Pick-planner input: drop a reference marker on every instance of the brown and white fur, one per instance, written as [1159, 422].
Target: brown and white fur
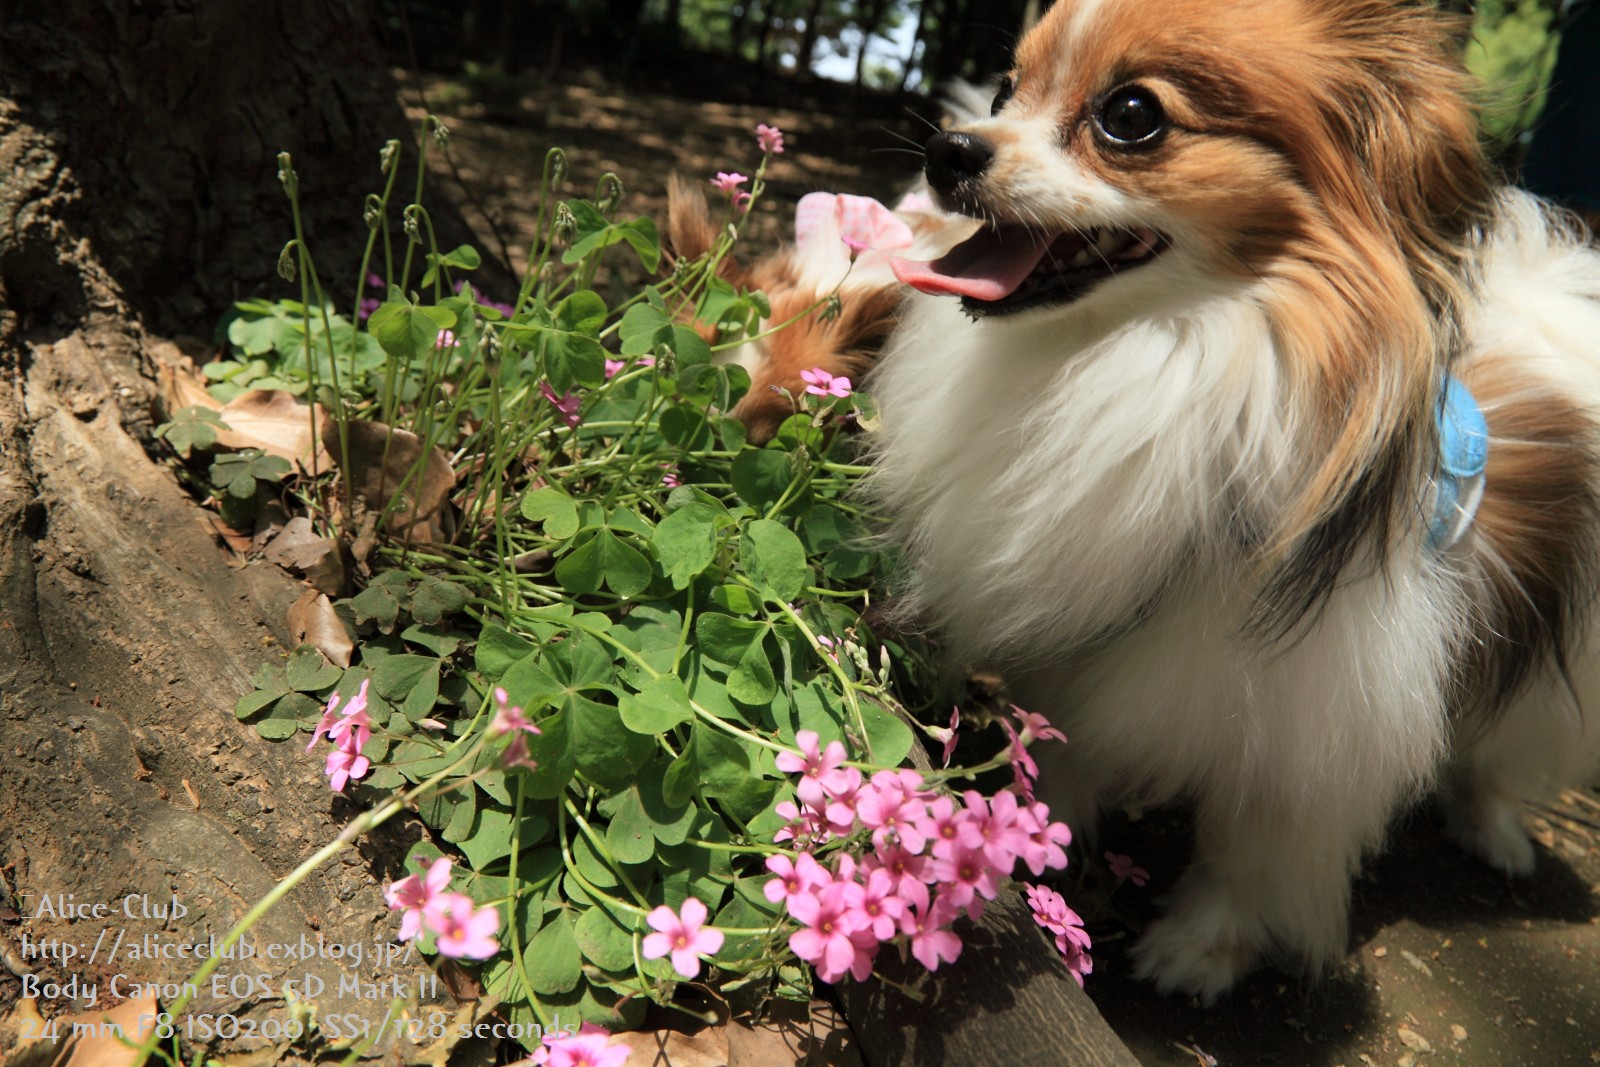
[1182, 505]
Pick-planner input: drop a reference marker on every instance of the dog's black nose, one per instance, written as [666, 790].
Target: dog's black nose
[954, 158]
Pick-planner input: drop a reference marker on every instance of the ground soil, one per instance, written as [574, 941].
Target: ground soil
[1449, 963]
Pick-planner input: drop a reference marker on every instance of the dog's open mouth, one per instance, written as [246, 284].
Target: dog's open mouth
[1004, 269]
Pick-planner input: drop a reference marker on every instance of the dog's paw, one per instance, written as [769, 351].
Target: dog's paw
[1197, 952]
[1489, 826]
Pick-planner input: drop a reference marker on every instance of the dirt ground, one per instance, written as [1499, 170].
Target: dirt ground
[1449, 962]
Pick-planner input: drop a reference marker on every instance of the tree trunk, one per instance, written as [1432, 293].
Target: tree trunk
[139, 145]
[911, 53]
[808, 38]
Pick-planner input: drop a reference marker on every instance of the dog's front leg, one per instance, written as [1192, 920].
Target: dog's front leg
[1265, 880]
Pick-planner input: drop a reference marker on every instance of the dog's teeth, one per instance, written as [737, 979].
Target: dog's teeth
[1084, 257]
[1108, 242]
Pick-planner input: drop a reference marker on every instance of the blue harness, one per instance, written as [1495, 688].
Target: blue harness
[1463, 455]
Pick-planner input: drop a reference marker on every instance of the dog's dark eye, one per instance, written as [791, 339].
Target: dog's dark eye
[1007, 86]
[1131, 115]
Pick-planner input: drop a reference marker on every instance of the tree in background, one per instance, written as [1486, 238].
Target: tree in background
[949, 38]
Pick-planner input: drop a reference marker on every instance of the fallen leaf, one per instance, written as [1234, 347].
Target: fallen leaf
[178, 384]
[313, 621]
[792, 1033]
[97, 1044]
[299, 547]
[27, 1027]
[278, 423]
[380, 466]
[460, 1026]
[239, 543]
[669, 1048]
[460, 982]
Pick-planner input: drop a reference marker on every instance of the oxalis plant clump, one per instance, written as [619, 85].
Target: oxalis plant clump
[608, 651]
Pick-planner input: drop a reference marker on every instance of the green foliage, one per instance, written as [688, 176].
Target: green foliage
[239, 473]
[1512, 52]
[666, 650]
[192, 427]
[288, 344]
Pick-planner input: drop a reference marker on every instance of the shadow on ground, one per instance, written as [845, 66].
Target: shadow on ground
[1449, 962]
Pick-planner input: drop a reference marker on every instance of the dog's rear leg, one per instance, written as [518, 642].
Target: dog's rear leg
[1546, 739]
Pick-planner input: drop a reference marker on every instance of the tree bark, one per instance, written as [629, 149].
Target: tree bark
[139, 142]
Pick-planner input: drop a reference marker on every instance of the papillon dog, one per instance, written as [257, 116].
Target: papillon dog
[1254, 434]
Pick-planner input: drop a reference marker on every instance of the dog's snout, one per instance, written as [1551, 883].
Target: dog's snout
[956, 158]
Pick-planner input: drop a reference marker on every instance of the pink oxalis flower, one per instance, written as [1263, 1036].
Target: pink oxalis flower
[1036, 726]
[793, 876]
[727, 182]
[681, 935]
[820, 383]
[819, 768]
[336, 722]
[508, 717]
[568, 405]
[589, 1047]
[826, 942]
[1123, 869]
[463, 929]
[950, 736]
[927, 860]
[349, 729]
[770, 138]
[414, 894]
[1072, 940]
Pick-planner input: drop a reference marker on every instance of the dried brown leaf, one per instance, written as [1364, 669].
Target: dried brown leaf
[240, 543]
[96, 1045]
[792, 1034]
[669, 1048]
[276, 422]
[299, 547]
[313, 621]
[178, 384]
[23, 1028]
[380, 466]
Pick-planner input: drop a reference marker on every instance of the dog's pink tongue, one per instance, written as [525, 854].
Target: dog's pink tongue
[987, 266]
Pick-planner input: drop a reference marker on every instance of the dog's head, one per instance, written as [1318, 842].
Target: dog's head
[1136, 143]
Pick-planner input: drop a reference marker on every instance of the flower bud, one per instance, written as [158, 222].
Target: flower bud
[666, 360]
[286, 174]
[608, 192]
[286, 262]
[387, 155]
[565, 225]
[555, 165]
